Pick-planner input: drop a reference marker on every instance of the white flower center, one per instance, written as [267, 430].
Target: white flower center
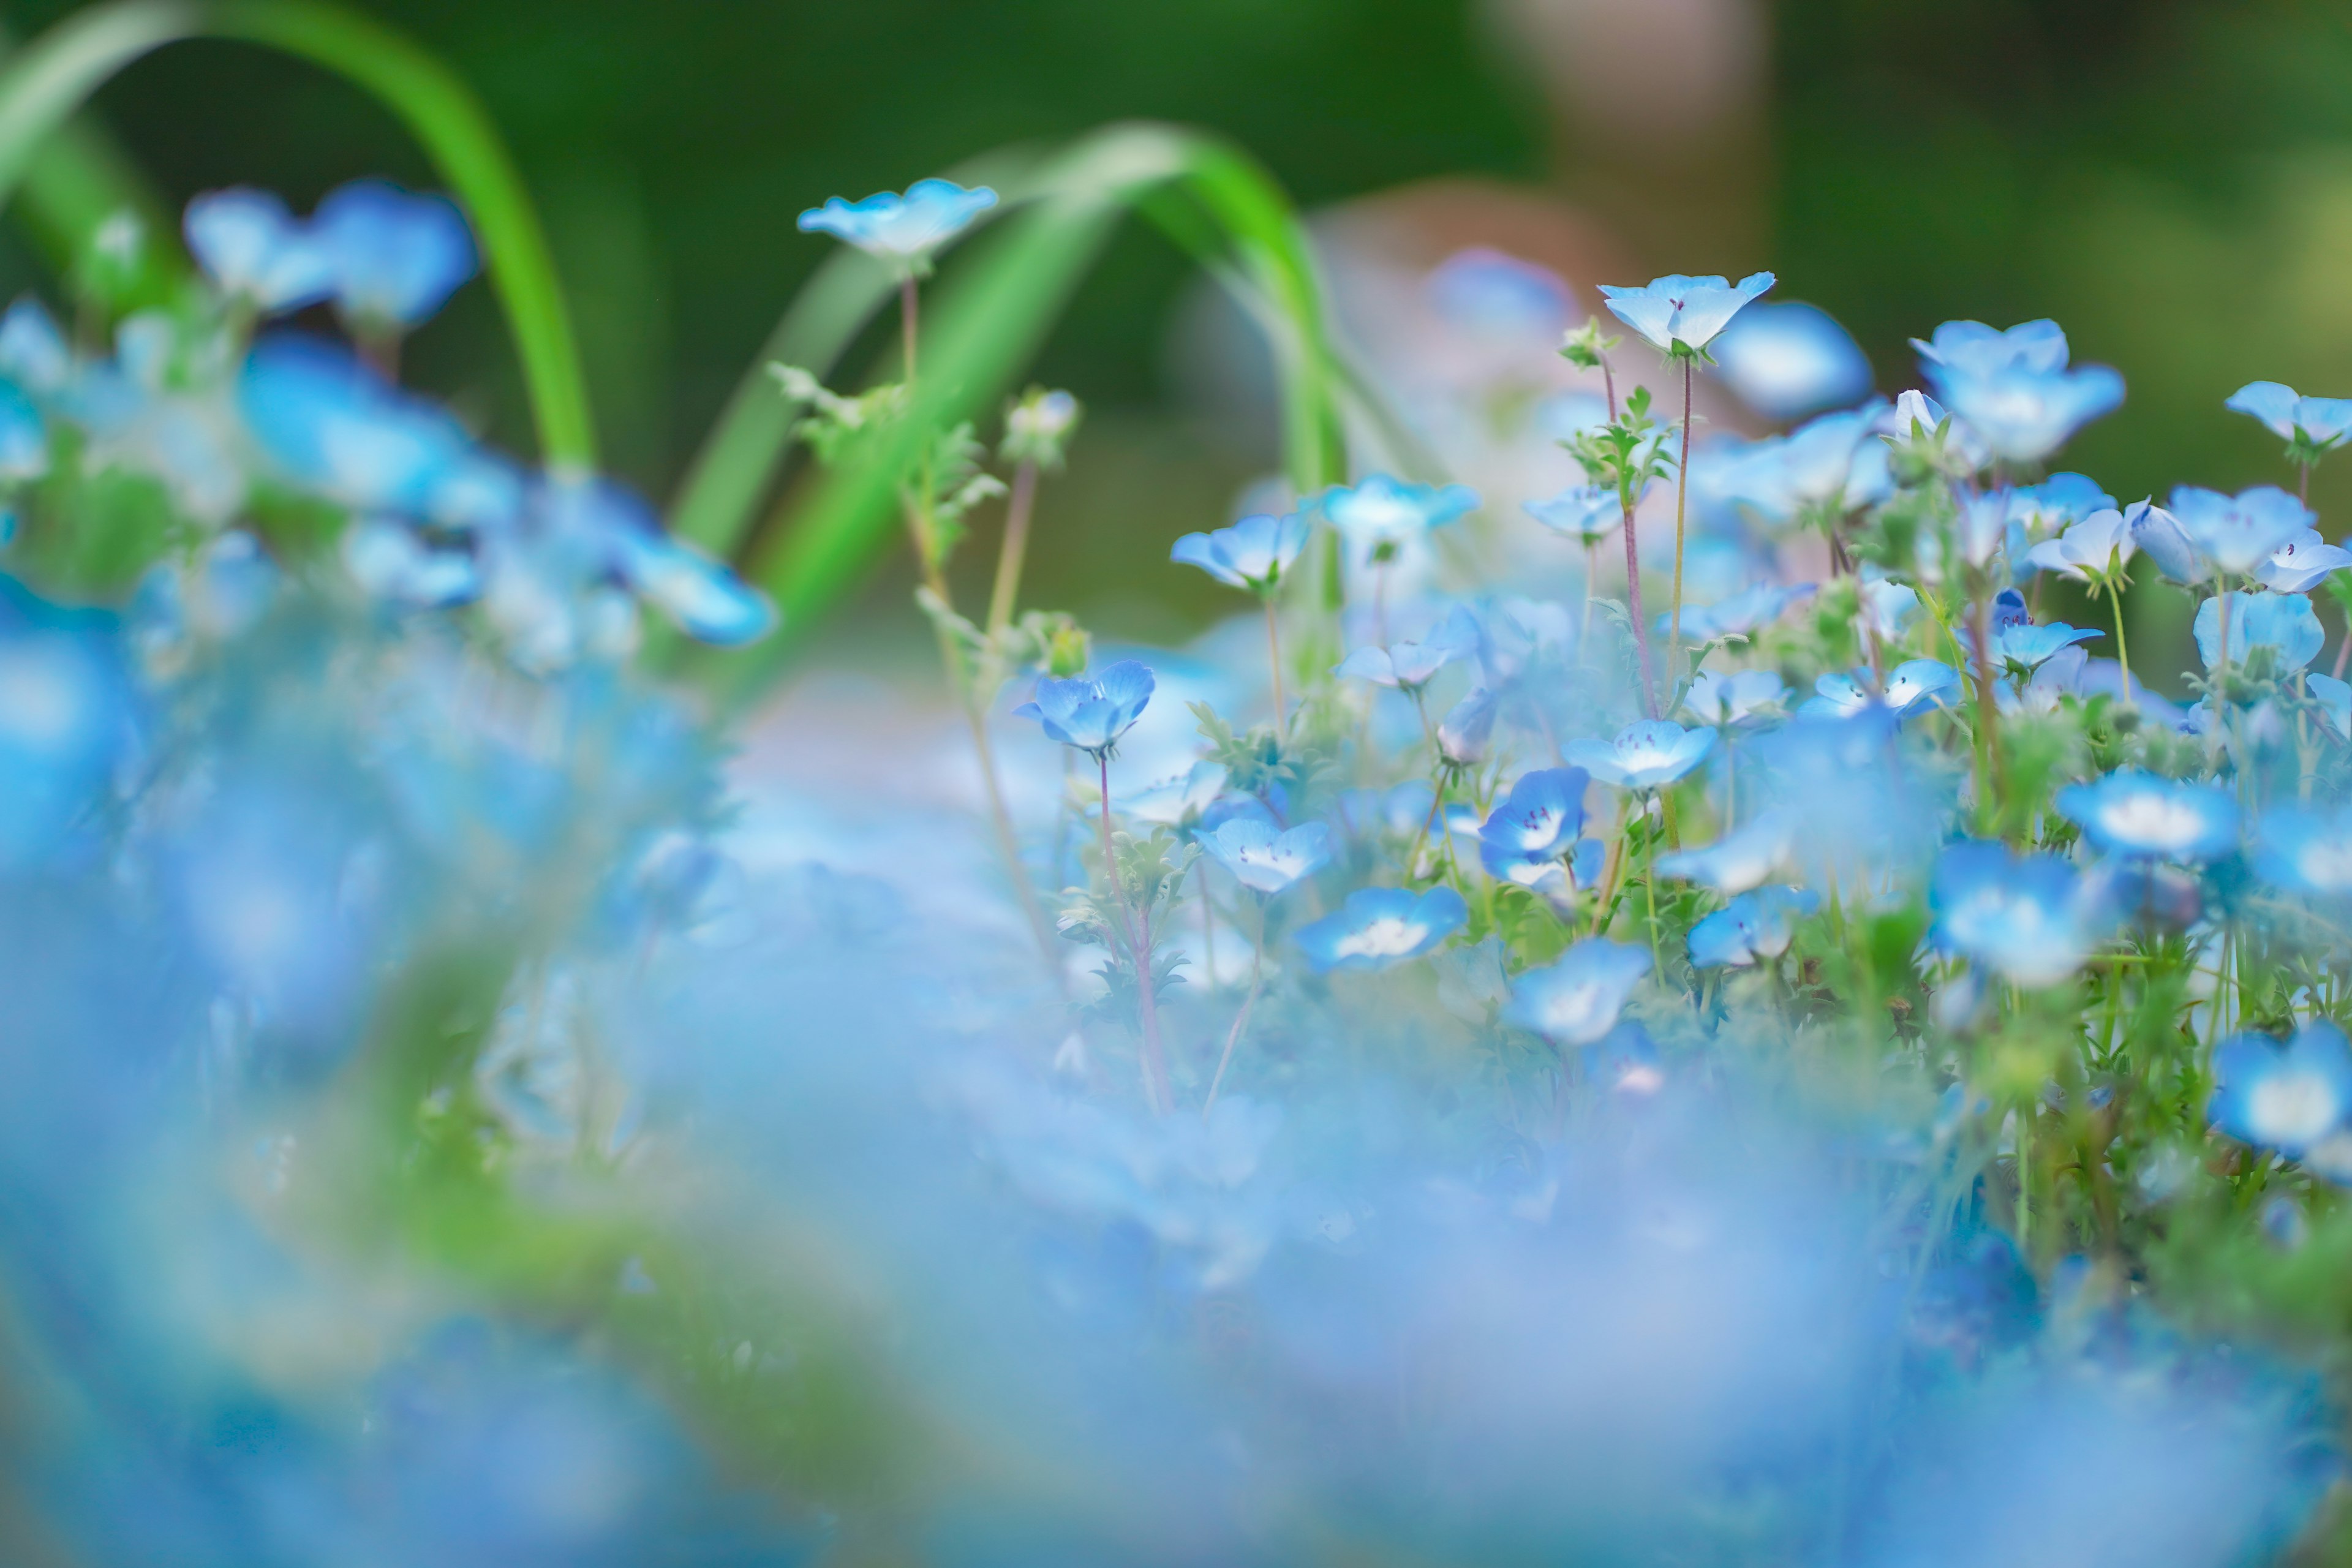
[2292, 1109]
[1387, 937]
[2153, 820]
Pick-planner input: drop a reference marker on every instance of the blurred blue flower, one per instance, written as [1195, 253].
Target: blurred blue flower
[2236, 533]
[329, 423]
[2096, 547]
[2030, 918]
[1378, 928]
[1535, 827]
[396, 256]
[2014, 388]
[1467, 730]
[1888, 607]
[1785, 360]
[1912, 686]
[2133, 812]
[2020, 648]
[23, 437]
[2058, 502]
[2320, 424]
[1740, 614]
[1091, 713]
[1733, 698]
[2303, 850]
[1745, 858]
[1577, 1000]
[2159, 533]
[66, 719]
[704, 597]
[1585, 513]
[1383, 513]
[2286, 1096]
[1179, 799]
[393, 563]
[1253, 554]
[34, 353]
[2335, 699]
[1408, 666]
[1758, 924]
[2302, 563]
[901, 232]
[256, 251]
[1649, 754]
[1265, 861]
[1500, 297]
[1682, 315]
[2283, 623]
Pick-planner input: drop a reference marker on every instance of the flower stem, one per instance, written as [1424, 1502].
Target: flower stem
[1274, 664]
[1139, 948]
[2123, 650]
[1240, 1019]
[1012, 551]
[907, 317]
[1633, 603]
[1682, 498]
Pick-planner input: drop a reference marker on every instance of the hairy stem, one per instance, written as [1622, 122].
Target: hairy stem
[1682, 499]
[1240, 1019]
[1139, 948]
[1274, 664]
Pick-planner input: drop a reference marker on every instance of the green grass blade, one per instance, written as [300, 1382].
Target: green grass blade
[45, 83]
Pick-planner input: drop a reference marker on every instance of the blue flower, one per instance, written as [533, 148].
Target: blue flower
[1265, 861]
[2305, 851]
[1912, 686]
[1682, 315]
[1379, 928]
[1091, 714]
[2030, 918]
[1733, 698]
[2057, 503]
[1535, 827]
[2131, 812]
[23, 437]
[1586, 513]
[1500, 297]
[1253, 554]
[2302, 563]
[1819, 460]
[1743, 858]
[2020, 648]
[2335, 699]
[1649, 754]
[1758, 924]
[901, 232]
[1467, 729]
[1408, 666]
[393, 563]
[1383, 513]
[257, 251]
[704, 597]
[65, 719]
[2283, 623]
[1786, 361]
[1577, 1000]
[2237, 533]
[2096, 547]
[2286, 1096]
[396, 256]
[332, 425]
[2320, 424]
[1888, 607]
[1183, 798]
[2159, 535]
[2014, 388]
[1740, 614]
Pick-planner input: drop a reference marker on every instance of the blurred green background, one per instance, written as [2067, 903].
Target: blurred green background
[2171, 181]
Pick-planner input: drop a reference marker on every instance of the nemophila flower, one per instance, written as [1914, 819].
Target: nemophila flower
[1912, 686]
[66, 718]
[1408, 666]
[2097, 547]
[2237, 533]
[1498, 296]
[2058, 502]
[1681, 315]
[1745, 858]
[1785, 360]
[2305, 850]
[1253, 554]
[1888, 607]
[2302, 563]
[2020, 648]
[1649, 754]
[1383, 513]
[1817, 457]
[2014, 388]
[702, 596]
[1091, 712]
[1577, 1000]
[2288, 1096]
[2283, 623]
[1720, 700]
[394, 565]
[1467, 730]
[1040, 426]
[1379, 928]
[2335, 699]
[2159, 535]
[2028, 918]
[902, 231]
[2318, 424]
[1755, 925]
[1180, 799]
[2132, 812]
[1585, 513]
[332, 425]
[23, 437]
[395, 255]
[1740, 614]
[1265, 861]
[1535, 827]
[256, 251]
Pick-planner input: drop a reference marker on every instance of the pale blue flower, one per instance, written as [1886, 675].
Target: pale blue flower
[2020, 648]
[1912, 686]
[2320, 424]
[2283, 623]
[1681, 315]
[1785, 360]
[2159, 535]
[2057, 503]
[1091, 712]
[34, 353]
[2237, 533]
[1739, 614]
[2288, 1096]
[391, 562]
[1585, 513]
[2303, 850]
[1888, 607]
[1535, 827]
[1745, 858]
[65, 719]
[1468, 729]
[1577, 1000]
[1379, 928]
[1383, 513]
[1733, 698]
[2132, 812]
[1265, 861]
[1253, 554]
[902, 231]
[2302, 563]
[1649, 754]
[1500, 297]
[1408, 666]
[329, 424]
[395, 256]
[1755, 925]
[23, 437]
[2030, 918]
[2335, 699]
[702, 596]
[2096, 547]
[1179, 799]
[1818, 458]
[2014, 388]
[255, 251]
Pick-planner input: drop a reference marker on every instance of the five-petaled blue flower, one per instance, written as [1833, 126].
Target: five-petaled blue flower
[1577, 1000]
[2093, 549]
[1758, 924]
[1786, 361]
[1745, 858]
[1649, 754]
[2312, 424]
[257, 251]
[2302, 563]
[901, 232]
[1265, 861]
[1535, 827]
[396, 255]
[2283, 623]
[1682, 315]
[1383, 513]
[1586, 513]
[2020, 647]
[2288, 1096]
[1253, 554]
[1740, 614]
[1091, 713]
[1733, 698]
[2133, 812]
[1912, 686]
[2303, 850]
[2013, 388]
[2029, 918]
[1380, 927]
[2237, 533]
[1409, 666]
